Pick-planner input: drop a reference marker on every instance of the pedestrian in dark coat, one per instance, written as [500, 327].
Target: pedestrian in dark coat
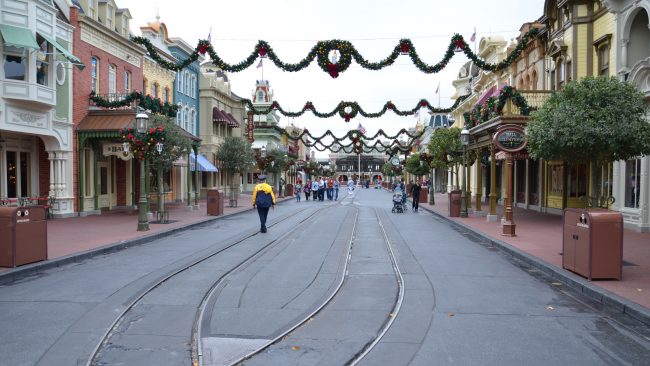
[415, 194]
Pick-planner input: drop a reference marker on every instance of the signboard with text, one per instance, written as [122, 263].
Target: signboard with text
[116, 149]
[510, 138]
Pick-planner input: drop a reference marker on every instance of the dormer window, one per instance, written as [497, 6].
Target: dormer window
[125, 26]
[109, 17]
[260, 96]
[91, 8]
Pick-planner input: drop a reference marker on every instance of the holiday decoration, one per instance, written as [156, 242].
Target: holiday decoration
[142, 145]
[321, 50]
[155, 105]
[493, 107]
[354, 109]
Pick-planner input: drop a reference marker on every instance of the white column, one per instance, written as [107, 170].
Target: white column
[51, 156]
[644, 197]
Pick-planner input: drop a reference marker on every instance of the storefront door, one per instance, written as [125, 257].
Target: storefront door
[104, 184]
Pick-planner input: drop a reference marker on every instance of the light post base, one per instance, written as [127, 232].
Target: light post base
[491, 218]
[508, 229]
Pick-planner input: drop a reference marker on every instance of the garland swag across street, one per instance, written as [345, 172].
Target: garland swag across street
[321, 51]
[354, 109]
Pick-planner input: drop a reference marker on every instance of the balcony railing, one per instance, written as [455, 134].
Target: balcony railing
[535, 98]
[115, 97]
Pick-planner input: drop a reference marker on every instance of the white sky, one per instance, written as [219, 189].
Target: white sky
[373, 26]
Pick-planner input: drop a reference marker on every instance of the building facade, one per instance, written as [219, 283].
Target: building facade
[222, 115]
[104, 176]
[631, 186]
[36, 131]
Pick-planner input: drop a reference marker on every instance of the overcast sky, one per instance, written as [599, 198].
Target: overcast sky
[374, 27]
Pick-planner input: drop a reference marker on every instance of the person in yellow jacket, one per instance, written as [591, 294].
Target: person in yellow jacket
[263, 199]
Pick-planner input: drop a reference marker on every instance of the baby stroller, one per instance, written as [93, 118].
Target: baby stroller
[399, 199]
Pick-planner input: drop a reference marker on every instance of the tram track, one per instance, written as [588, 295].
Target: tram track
[137, 299]
[390, 318]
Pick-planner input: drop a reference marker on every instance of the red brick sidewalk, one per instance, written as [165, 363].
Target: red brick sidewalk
[540, 235]
[76, 235]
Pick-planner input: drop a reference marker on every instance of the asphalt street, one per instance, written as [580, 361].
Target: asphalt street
[331, 283]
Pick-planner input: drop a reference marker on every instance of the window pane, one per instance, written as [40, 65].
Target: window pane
[103, 180]
[12, 174]
[111, 79]
[14, 63]
[24, 174]
[88, 173]
[632, 183]
[94, 74]
[127, 81]
[42, 64]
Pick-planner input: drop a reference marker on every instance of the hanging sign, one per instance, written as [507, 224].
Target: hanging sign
[510, 138]
[116, 149]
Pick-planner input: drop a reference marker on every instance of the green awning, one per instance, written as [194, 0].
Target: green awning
[74, 59]
[18, 37]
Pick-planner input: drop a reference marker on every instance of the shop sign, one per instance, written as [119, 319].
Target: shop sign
[116, 149]
[510, 138]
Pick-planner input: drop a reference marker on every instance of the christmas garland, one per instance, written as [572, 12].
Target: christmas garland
[349, 110]
[321, 52]
[155, 105]
[493, 107]
[353, 134]
[142, 145]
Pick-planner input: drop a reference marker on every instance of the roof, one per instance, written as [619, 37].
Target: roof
[107, 121]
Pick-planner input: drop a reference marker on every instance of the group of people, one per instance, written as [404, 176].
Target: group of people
[318, 189]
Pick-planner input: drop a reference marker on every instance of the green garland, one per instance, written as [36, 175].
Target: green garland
[321, 50]
[353, 134]
[155, 105]
[355, 109]
[493, 107]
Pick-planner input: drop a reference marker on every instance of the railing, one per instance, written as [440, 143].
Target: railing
[116, 97]
[536, 98]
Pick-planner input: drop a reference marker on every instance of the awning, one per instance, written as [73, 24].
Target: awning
[18, 36]
[204, 164]
[107, 121]
[490, 92]
[218, 116]
[232, 122]
[72, 58]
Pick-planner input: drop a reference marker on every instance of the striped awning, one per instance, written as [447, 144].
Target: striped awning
[218, 116]
[232, 122]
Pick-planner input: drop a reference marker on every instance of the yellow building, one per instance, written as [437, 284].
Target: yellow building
[158, 81]
[580, 41]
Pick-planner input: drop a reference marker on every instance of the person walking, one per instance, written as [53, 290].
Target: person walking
[350, 186]
[314, 189]
[415, 195]
[307, 190]
[263, 199]
[298, 188]
[321, 189]
[336, 189]
[330, 189]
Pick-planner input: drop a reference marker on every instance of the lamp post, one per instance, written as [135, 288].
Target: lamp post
[464, 140]
[142, 123]
[161, 201]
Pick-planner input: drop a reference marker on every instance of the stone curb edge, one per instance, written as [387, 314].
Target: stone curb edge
[573, 281]
[32, 269]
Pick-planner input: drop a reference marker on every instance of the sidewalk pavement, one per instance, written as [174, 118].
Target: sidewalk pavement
[77, 238]
[539, 244]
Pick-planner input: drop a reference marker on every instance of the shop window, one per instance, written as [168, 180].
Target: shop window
[521, 180]
[601, 184]
[577, 181]
[15, 63]
[94, 74]
[632, 183]
[12, 174]
[533, 182]
[43, 61]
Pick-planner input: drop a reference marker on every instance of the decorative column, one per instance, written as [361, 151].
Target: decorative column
[479, 187]
[51, 156]
[492, 215]
[196, 178]
[508, 228]
[468, 178]
[189, 180]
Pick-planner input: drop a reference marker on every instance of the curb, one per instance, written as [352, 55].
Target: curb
[573, 281]
[34, 269]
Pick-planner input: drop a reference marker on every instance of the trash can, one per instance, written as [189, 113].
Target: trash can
[289, 190]
[424, 195]
[454, 203]
[215, 202]
[592, 243]
[24, 238]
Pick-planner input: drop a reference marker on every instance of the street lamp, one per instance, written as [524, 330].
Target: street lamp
[464, 140]
[141, 123]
